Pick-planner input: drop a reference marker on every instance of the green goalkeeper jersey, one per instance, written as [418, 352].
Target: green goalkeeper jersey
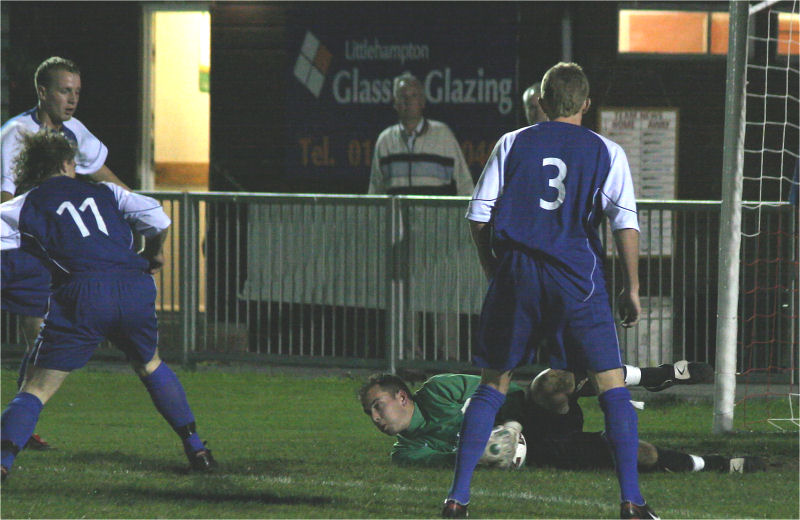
[432, 437]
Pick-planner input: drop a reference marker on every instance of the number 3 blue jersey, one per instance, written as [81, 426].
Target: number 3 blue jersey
[545, 189]
[78, 226]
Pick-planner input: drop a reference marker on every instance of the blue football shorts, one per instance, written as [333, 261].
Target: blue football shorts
[92, 307]
[531, 298]
[25, 283]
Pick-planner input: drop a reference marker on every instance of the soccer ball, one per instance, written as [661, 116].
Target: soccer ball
[520, 453]
[506, 447]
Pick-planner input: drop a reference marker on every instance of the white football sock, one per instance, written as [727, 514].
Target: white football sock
[633, 375]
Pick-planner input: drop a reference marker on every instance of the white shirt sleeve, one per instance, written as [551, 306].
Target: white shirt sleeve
[490, 185]
[92, 152]
[618, 199]
[10, 144]
[10, 237]
[144, 213]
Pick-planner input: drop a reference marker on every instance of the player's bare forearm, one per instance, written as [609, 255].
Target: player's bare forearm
[104, 174]
[627, 242]
[481, 235]
[153, 251]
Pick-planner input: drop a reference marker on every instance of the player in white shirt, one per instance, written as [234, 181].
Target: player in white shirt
[25, 281]
[58, 88]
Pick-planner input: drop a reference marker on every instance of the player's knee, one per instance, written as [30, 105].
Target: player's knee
[647, 455]
[606, 380]
[145, 369]
[30, 330]
[43, 383]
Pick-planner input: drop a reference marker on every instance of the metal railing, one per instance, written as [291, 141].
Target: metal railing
[394, 281]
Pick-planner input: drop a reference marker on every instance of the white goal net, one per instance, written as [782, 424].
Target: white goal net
[768, 287]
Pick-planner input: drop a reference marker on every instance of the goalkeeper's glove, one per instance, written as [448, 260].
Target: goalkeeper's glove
[502, 446]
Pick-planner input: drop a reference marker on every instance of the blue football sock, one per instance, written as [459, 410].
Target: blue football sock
[622, 433]
[475, 431]
[18, 422]
[170, 399]
[23, 368]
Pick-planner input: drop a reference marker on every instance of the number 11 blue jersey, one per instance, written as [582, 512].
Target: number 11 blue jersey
[78, 226]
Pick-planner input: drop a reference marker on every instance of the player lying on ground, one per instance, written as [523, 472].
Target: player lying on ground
[102, 289]
[427, 422]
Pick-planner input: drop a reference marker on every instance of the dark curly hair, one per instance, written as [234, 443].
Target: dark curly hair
[42, 156]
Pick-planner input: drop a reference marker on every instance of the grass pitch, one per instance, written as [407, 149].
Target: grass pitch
[300, 447]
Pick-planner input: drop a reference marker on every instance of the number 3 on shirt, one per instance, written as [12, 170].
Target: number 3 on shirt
[89, 202]
[557, 183]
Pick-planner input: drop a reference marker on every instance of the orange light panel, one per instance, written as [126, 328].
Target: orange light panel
[788, 34]
[719, 33]
[663, 32]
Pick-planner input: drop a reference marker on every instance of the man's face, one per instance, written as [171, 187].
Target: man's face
[410, 102]
[59, 99]
[391, 414]
[533, 112]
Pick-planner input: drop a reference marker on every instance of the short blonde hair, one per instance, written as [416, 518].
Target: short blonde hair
[46, 70]
[564, 90]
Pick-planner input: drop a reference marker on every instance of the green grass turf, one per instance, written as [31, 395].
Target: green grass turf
[300, 447]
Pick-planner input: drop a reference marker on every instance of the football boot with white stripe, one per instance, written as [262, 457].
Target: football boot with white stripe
[682, 373]
[631, 510]
[201, 461]
[453, 509]
[740, 464]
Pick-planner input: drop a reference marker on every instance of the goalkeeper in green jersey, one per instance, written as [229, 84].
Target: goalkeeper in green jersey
[427, 422]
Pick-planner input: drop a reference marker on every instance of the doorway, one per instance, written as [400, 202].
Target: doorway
[176, 103]
[174, 156]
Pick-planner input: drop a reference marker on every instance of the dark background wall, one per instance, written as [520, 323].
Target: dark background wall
[103, 39]
[249, 77]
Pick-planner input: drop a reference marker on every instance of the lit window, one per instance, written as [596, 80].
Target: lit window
[788, 34]
[720, 23]
[673, 32]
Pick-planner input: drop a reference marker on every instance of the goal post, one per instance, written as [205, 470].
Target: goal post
[757, 340]
[731, 219]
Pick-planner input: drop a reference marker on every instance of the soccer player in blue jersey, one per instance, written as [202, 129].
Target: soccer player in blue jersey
[102, 289]
[534, 217]
[25, 281]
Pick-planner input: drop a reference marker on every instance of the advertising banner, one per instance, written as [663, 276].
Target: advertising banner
[343, 58]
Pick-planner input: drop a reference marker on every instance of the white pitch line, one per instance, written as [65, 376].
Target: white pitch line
[515, 495]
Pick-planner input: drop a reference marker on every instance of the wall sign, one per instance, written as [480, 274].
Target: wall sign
[343, 58]
[649, 137]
